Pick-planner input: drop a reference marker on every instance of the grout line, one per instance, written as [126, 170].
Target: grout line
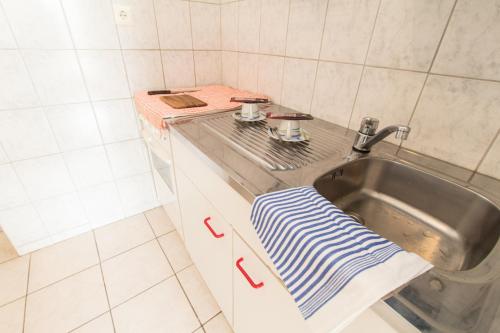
[192, 43]
[88, 321]
[26, 294]
[159, 45]
[284, 56]
[486, 152]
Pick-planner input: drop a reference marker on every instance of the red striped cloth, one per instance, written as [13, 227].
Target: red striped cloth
[217, 98]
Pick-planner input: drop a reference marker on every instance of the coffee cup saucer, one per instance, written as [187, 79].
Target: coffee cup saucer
[237, 115]
[274, 133]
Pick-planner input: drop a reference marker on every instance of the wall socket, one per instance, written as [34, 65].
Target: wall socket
[123, 15]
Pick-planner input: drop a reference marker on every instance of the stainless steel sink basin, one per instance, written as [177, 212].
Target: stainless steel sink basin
[449, 225]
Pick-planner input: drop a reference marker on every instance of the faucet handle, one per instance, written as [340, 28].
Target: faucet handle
[368, 126]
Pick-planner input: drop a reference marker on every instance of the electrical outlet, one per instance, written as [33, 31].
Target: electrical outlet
[123, 15]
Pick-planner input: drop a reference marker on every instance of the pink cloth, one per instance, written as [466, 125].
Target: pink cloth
[217, 98]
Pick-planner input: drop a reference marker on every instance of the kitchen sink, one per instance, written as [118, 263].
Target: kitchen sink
[451, 226]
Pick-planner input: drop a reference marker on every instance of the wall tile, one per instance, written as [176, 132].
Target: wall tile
[74, 126]
[12, 193]
[178, 68]
[141, 33]
[230, 69]
[16, 88]
[61, 213]
[91, 24]
[88, 167]
[105, 74]
[407, 33]
[305, 28]
[208, 67]
[128, 158]
[137, 193]
[348, 29]
[65, 87]
[174, 27]
[491, 164]
[205, 24]
[456, 119]
[23, 225]
[26, 133]
[248, 65]
[229, 26]
[38, 24]
[271, 76]
[273, 26]
[111, 113]
[388, 95]
[470, 46]
[3, 155]
[335, 91]
[248, 25]
[6, 38]
[102, 204]
[44, 177]
[144, 70]
[298, 84]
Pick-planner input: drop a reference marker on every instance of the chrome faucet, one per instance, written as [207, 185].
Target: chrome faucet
[367, 136]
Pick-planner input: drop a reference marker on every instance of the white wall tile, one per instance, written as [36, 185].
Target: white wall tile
[3, 155]
[273, 26]
[6, 38]
[230, 69]
[205, 23]
[44, 177]
[22, 224]
[229, 26]
[26, 133]
[470, 46]
[61, 213]
[348, 28]
[74, 126]
[64, 87]
[491, 164]
[141, 33]
[178, 68]
[102, 204]
[91, 24]
[137, 193]
[407, 33]
[248, 71]
[116, 120]
[335, 91]
[208, 67]
[298, 84]
[174, 27]
[271, 76]
[305, 28]
[456, 119]
[38, 24]
[128, 158]
[248, 25]
[12, 193]
[16, 88]
[105, 74]
[88, 167]
[144, 70]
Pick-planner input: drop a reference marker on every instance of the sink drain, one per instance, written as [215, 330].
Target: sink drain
[356, 217]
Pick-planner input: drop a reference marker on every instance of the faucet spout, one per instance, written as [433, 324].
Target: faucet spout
[367, 138]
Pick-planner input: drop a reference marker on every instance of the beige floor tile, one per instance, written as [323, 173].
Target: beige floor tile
[199, 295]
[66, 304]
[159, 221]
[218, 324]
[163, 308]
[11, 317]
[199, 330]
[123, 235]
[176, 251]
[7, 251]
[132, 272]
[13, 279]
[60, 260]
[103, 324]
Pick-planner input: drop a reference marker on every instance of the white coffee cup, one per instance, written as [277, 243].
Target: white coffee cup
[289, 129]
[249, 110]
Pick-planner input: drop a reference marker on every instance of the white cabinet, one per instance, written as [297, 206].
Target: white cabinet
[261, 303]
[208, 238]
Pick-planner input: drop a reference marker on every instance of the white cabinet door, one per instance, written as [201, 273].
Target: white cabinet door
[208, 238]
[261, 302]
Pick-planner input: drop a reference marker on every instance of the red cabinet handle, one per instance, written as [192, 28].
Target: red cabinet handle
[245, 274]
[212, 231]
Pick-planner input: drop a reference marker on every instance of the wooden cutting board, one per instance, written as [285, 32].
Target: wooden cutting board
[183, 101]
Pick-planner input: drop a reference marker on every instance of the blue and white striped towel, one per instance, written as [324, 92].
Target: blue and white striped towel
[333, 267]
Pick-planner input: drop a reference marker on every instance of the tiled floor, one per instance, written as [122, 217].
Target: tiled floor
[130, 276]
